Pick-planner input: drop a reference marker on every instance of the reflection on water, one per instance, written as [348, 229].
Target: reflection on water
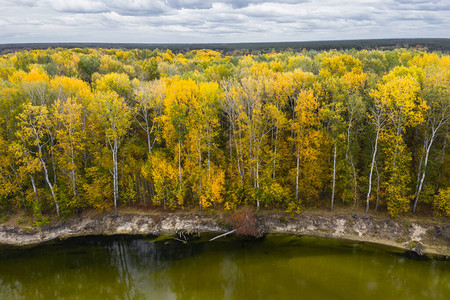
[278, 267]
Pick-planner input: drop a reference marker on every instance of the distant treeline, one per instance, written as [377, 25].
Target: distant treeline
[101, 128]
[435, 44]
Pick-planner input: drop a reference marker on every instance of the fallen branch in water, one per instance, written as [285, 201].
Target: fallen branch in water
[222, 235]
[179, 240]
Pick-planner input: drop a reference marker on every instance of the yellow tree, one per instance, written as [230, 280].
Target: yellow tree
[117, 82]
[436, 94]
[398, 94]
[180, 95]
[203, 128]
[12, 184]
[164, 175]
[256, 123]
[307, 140]
[148, 107]
[67, 120]
[36, 86]
[33, 143]
[232, 104]
[343, 82]
[378, 117]
[114, 116]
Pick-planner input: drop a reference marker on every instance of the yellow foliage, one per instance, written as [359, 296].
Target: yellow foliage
[119, 83]
[69, 87]
[165, 179]
[99, 192]
[441, 202]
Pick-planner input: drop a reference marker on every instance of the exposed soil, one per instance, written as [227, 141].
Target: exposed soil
[420, 236]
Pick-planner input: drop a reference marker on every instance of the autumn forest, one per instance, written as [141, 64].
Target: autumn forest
[105, 128]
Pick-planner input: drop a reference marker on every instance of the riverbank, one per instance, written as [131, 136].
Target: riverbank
[425, 237]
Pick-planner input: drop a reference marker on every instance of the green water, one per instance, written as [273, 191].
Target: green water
[278, 267]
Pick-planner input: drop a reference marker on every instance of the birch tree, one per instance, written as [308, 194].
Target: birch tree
[399, 94]
[149, 106]
[114, 117]
[34, 142]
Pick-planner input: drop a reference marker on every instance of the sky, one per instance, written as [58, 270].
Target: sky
[219, 21]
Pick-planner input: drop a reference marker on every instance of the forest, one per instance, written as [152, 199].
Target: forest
[105, 128]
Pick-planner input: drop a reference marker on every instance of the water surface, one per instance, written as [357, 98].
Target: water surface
[277, 267]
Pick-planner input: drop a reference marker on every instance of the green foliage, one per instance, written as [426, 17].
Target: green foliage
[41, 222]
[87, 66]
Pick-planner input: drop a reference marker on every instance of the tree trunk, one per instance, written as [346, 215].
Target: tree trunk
[378, 189]
[115, 176]
[334, 177]
[416, 198]
[297, 174]
[257, 181]
[74, 183]
[179, 158]
[371, 171]
[200, 175]
[275, 154]
[33, 183]
[149, 141]
[53, 161]
[50, 186]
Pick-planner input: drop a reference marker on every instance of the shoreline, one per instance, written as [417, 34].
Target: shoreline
[428, 238]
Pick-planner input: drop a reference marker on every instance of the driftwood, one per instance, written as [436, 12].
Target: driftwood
[222, 235]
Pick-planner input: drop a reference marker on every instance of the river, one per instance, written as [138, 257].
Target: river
[276, 267]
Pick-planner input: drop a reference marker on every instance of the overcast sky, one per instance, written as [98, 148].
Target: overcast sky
[196, 21]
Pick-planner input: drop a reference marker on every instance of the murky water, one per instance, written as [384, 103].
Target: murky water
[278, 267]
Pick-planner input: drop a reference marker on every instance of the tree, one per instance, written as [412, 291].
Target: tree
[307, 140]
[379, 118]
[114, 117]
[203, 128]
[180, 94]
[436, 94]
[67, 120]
[33, 135]
[149, 106]
[399, 95]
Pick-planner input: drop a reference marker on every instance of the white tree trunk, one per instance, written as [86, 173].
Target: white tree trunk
[50, 186]
[115, 176]
[416, 198]
[149, 141]
[297, 174]
[371, 170]
[257, 181]
[334, 177]
[73, 175]
[179, 159]
[275, 154]
[33, 183]
[200, 174]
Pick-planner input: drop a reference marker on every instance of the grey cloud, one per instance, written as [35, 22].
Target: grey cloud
[438, 5]
[246, 3]
[29, 3]
[122, 7]
[219, 20]
[78, 6]
[190, 4]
